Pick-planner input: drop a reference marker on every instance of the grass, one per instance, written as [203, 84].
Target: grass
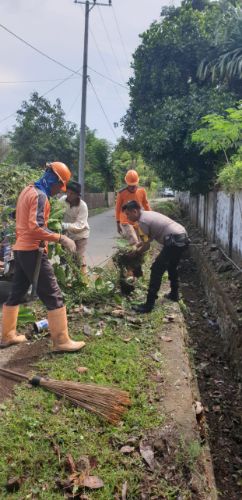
[30, 428]
[167, 207]
[37, 431]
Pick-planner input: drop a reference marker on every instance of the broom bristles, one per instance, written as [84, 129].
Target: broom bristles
[107, 402]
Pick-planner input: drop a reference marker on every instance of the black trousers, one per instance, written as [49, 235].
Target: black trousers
[167, 260]
[47, 289]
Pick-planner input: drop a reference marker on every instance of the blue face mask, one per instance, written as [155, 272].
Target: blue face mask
[46, 182]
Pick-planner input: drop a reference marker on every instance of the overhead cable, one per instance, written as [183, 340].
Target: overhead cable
[101, 106]
[120, 35]
[37, 81]
[43, 95]
[110, 43]
[52, 58]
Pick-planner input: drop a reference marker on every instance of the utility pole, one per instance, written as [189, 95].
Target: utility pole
[81, 165]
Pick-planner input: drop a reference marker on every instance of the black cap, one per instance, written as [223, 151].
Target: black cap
[74, 186]
[131, 205]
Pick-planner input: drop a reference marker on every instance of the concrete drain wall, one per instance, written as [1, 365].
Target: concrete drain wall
[227, 318]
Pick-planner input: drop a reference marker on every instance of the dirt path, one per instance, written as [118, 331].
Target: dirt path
[219, 390]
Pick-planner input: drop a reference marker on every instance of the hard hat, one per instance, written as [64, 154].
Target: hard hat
[62, 171]
[132, 178]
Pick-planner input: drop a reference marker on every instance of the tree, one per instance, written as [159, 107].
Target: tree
[124, 158]
[224, 134]
[168, 99]
[224, 62]
[98, 168]
[42, 133]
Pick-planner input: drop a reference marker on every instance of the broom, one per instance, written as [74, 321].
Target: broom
[107, 402]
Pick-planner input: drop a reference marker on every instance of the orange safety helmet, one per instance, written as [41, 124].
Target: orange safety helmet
[62, 171]
[132, 178]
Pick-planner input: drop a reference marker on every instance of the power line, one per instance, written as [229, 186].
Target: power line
[43, 95]
[53, 59]
[101, 106]
[120, 35]
[37, 81]
[74, 102]
[107, 78]
[111, 45]
[105, 65]
[38, 50]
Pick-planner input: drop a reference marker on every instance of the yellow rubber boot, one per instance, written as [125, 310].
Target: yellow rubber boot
[59, 332]
[9, 323]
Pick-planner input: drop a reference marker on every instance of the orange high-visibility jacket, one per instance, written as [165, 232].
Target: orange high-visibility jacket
[124, 196]
[32, 214]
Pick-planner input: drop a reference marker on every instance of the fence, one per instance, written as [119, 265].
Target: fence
[98, 200]
[219, 216]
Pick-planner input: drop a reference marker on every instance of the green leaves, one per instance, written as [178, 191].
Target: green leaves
[25, 316]
[224, 134]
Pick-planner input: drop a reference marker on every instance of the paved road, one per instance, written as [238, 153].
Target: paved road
[102, 238]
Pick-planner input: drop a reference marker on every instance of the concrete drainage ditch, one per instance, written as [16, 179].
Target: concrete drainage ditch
[214, 343]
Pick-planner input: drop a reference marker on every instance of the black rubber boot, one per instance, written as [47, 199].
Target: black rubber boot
[174, 296]
[143, 308]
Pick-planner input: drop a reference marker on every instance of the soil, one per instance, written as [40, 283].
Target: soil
[220, 392]
[20, 359]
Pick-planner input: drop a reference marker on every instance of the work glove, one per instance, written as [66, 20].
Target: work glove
[67, 243]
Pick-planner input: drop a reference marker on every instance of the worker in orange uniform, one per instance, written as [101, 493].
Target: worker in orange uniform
[32, 214]
[132, 192]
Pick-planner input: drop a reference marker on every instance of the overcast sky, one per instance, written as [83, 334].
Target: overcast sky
[56, 27]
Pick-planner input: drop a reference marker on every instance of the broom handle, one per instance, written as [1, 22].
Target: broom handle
[13, 375]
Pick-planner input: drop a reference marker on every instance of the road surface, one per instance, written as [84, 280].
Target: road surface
[101, 242]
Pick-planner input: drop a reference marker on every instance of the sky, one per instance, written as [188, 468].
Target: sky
[56, 27]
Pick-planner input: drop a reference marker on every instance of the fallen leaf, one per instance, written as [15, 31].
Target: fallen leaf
[87, 330]
[216, 408]
[98, 333]
[124, 490]
[147, 454]
[118, 313]
[198, 408]
[86, 310]
[132, 440]
[93, 482]
[56, 407]
[132, 319]
[156, 357]
[70, 465]
[166, 339]
[127, 339]
[127, 449]
[93, 462]
[83, 465]
[82, 369]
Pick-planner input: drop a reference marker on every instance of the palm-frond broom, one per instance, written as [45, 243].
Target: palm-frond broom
[107, 402]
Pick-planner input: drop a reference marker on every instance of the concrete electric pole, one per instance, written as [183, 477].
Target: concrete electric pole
[81, 166]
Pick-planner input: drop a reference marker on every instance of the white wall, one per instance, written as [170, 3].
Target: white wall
[219, 216]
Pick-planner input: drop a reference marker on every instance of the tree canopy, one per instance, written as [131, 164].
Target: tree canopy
[168, 98]
[42, 133]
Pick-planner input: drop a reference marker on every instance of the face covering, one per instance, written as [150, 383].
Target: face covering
[46, 182]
